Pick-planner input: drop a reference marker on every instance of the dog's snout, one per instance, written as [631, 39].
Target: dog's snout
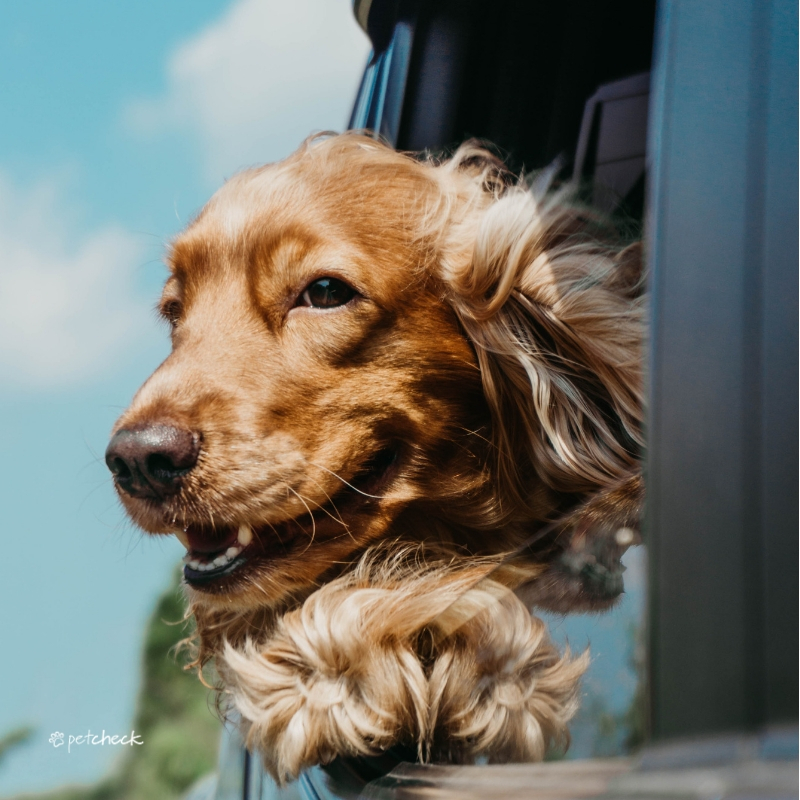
[150, 461]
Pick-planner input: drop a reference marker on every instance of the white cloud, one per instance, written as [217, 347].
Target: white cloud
[67, 307]
[255, 83]
[247, 89]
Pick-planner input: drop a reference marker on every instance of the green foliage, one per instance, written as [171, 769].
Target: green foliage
[14, 738]
[174, 718]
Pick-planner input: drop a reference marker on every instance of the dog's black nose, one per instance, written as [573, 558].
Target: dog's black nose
[150, 461]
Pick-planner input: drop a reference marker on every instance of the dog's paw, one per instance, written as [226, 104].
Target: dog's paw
[499, 687]
[324, 686]
[441, 660]
[586, 572]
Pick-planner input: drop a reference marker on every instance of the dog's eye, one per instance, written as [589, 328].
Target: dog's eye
[327, 293]
[171, 311]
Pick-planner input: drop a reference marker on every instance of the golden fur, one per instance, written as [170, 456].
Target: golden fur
[356, 669]
[485, 379]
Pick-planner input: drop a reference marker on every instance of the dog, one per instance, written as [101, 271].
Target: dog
[403, 404]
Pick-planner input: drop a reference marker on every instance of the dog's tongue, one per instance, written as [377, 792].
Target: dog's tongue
[208, 540]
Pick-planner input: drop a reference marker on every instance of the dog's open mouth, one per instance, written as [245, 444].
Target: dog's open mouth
[215, 554]
[212, 555]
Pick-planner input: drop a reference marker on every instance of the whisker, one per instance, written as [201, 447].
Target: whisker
[275, 531]
[338, 517]
[310, 514]
[480, 436]
[101, 485]
[346, 483]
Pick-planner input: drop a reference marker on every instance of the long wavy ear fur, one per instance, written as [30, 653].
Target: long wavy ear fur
[552, 304]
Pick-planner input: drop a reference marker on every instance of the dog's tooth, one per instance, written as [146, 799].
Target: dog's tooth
[245, 535]
[220, 561]
[183, 538]
[232, 552]
[194, 564]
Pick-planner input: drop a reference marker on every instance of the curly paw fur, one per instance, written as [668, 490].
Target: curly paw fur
[362, 666]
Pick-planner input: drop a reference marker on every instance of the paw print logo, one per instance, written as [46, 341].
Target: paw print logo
[56, 739]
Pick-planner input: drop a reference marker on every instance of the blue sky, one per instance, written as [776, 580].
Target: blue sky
[118, 121]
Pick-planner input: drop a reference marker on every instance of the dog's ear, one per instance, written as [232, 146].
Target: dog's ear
[553, 308]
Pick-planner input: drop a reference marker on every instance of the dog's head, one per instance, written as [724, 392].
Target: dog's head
[367, 346]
